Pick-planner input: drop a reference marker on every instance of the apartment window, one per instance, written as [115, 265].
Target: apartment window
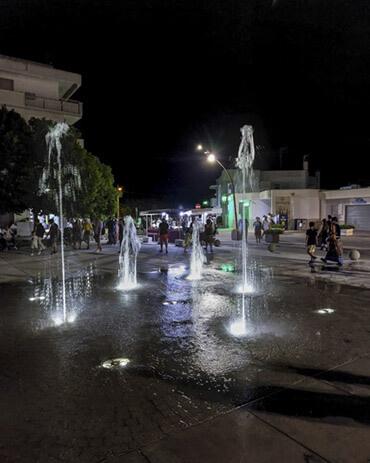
[6, 84]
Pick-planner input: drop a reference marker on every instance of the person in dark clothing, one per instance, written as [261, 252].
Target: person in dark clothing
[311, 241]
[111, 231]
[208, 234]
[324, 233]
[120, 233]
[163, 234]
[335, 248]
[53, 233]
[40, 232]
[3, 245]
[329, 223]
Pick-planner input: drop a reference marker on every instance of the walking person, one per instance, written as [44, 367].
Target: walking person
[97, 233]
[335, 248]
[324, 234]
[34, 244]
[208, 234]
[40, 232]
[163, 234]
[311, 242]
[257, 225]
[53, 233]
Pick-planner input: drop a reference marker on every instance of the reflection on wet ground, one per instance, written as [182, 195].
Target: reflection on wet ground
[173, 359]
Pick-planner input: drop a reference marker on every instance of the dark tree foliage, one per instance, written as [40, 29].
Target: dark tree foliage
[88, 184]
[15, 161]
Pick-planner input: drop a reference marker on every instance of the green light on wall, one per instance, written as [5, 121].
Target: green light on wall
[205, 203]
[224, 199]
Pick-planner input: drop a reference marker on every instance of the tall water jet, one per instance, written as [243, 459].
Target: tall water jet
[127, 274]
[54, 172]
[244, 161]
[197, 255]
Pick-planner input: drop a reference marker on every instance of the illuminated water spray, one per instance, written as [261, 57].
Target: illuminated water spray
[51, 181]
[128, 256]
[197, 255]
[244, 161]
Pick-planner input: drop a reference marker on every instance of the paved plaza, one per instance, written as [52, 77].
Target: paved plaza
[294, 388]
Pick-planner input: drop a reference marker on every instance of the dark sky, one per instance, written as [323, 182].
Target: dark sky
[161, 76]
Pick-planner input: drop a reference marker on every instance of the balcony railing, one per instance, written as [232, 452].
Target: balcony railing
[70, 106]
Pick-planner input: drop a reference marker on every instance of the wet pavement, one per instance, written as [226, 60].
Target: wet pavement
[296, 387]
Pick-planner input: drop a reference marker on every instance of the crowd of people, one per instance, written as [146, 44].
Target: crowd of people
[327, 237]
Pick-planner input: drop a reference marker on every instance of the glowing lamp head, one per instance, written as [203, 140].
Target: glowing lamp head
[200, 148]
[211, 157]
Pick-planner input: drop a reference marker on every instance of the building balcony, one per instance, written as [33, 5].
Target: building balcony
[29, 105]
[71, 109]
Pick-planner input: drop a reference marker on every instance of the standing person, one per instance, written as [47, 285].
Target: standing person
[311, 242]
[188, 235]
[98, 231]
[34, 243]
[10, 234]
[208, 234]
[265, 224]
[163, 234]
[246, 227]
[40, 232]
[111, 236]
[87, 227]
[257, 225]
[120, 233]
[76, 233]
[329, 223]
[53, 233]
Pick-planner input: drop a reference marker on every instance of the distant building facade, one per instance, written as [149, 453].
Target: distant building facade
[39, 90]
[292, 193]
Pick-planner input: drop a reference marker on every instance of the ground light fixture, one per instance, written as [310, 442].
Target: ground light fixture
[115, 363]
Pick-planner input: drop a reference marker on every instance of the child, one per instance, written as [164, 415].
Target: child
[34, 243]
[311, 241]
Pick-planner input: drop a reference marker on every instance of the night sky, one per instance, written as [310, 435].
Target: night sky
[159, 77]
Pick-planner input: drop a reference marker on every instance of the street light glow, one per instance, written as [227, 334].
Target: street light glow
[200, 148]
[211, 157]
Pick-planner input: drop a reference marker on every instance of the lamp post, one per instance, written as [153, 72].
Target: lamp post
[119, 191]
[212, 158]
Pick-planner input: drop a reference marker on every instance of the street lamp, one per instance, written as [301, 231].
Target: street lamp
[119, 191]
[212, 158]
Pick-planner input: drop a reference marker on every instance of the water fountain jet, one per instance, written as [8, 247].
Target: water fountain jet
[197, 255]
[127, 272]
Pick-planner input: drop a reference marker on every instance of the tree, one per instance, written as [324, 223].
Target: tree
[87, 183]
[15, 161]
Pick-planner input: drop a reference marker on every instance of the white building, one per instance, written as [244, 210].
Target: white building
[294, 196]
[351, 206]
[39, 90]
[293, 193]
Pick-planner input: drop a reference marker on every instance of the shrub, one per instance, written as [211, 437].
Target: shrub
[347, 226]
[274, 231]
